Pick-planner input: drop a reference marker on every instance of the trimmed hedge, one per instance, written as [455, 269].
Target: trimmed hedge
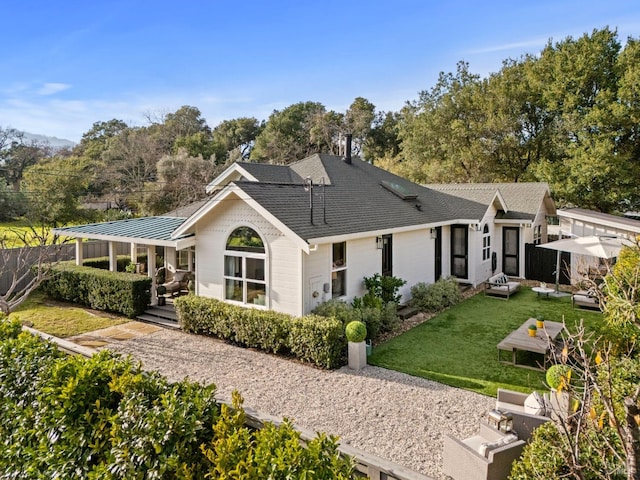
[312, 338]
[119, 292]
[105, 418]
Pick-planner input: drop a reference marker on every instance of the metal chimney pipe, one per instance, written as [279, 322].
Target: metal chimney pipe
[347, 153]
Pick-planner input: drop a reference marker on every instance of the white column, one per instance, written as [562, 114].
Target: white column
[79, 251]
[134, 253]
[190, 258]
[151, 261]
[113, 257]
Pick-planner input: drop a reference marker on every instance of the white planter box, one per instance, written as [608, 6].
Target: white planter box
[357, 355]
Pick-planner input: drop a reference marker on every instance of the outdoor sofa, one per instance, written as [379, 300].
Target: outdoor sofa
[525, 418]
[485, 456]
[499, 285]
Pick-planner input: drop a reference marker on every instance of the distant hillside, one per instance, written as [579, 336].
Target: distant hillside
[53, 141]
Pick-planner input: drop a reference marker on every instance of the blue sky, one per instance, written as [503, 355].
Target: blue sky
[66, 65]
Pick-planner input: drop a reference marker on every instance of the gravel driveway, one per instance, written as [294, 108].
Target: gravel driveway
[392, 415]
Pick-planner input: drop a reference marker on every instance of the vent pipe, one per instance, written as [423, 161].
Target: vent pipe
[347, 153]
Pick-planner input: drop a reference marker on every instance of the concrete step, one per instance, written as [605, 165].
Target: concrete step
[164, 312]
[406, 311]
[165, 322]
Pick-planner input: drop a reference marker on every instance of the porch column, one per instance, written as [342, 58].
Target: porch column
[79, 251]
[134, 252]
[113, 257]
[151, 272]
[190, 259]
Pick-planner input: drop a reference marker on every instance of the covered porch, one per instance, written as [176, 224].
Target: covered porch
[145, 236]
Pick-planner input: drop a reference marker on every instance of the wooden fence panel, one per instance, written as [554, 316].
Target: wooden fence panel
[540, 264]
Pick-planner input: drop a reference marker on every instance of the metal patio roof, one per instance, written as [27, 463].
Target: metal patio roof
[145, 231]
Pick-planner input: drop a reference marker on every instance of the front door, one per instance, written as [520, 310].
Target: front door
[511, 251]
[459, 250]
[387, 256]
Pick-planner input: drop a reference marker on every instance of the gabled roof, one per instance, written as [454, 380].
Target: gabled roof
[353, 200]
[522, 200]
[254, 172]
[146, 230]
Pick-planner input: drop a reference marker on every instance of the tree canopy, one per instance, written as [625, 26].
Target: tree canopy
[568, 115]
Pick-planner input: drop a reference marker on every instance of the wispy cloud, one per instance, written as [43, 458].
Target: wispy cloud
[52, 88]
[537, 43]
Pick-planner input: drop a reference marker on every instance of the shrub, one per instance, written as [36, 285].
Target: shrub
[356, 331]
[313, 338]
[71, 417]
[557, 376]
[119, 292]
[381, 318]
[436, 296]
[384, 288]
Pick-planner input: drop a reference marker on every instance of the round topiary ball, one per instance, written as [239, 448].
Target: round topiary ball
[555, 374]
[356, 331]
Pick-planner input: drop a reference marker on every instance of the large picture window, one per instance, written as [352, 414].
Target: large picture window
[244, 267]
[339, 270]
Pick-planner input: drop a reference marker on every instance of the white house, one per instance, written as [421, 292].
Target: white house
[290, 237]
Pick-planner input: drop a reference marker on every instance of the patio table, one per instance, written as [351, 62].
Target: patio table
[521, 340]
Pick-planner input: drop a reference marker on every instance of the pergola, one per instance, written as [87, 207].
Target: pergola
[149, 232]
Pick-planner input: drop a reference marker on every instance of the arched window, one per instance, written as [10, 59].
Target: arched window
[244, 267]
[486, 243]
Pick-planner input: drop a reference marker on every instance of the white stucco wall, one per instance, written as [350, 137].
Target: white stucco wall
[413, 259]
[283, 264]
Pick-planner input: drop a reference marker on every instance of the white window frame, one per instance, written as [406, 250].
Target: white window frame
[486, 243]
[339, 270]
[537, 234]
[243, 279]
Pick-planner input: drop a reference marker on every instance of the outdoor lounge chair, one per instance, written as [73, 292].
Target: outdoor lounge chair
[586, 299]
[486, 456]
[178, 284]
[499, 285]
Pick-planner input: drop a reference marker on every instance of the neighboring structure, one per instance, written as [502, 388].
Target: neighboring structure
[580, 222]
[290, 237]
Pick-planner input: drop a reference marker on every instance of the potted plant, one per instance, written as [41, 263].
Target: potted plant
[540, 321]
[161, 290]
[532, 330]
[356, 333]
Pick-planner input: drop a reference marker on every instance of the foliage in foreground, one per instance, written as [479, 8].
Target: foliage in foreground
[600, 439]
[104, 418]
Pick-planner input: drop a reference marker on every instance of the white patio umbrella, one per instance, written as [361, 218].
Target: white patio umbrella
[601, 246]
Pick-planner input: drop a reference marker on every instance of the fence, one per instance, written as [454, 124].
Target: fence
[19, 260]
[541, 264]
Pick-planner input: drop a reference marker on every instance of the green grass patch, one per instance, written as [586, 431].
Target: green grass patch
[458, 347]
[63, 319]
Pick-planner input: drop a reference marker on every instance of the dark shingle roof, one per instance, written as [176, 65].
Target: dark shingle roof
[267, 173]
[522, 199]
[355, 200]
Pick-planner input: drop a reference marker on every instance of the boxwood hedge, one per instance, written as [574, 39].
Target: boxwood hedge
[124, 293]
[312, 338]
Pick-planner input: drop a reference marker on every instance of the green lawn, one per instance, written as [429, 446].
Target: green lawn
[62, 319]
[458, 346]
